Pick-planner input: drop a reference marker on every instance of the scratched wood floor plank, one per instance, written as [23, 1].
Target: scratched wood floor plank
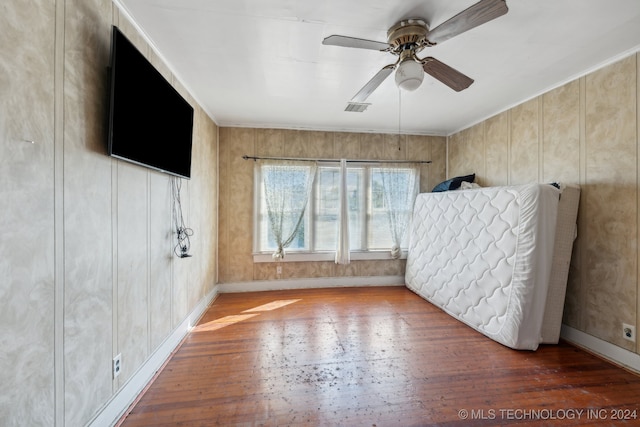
[375, 356]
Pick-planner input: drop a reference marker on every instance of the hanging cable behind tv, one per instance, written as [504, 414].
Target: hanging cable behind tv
[183, 233]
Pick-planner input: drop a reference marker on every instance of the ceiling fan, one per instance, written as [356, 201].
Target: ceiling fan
[408, 37]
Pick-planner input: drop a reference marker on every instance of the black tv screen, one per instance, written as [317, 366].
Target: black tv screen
[150, 123]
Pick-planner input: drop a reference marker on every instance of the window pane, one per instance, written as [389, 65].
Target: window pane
[266, 241]
[357, 206]
[292, 190]
[326, 203]
[379, 236]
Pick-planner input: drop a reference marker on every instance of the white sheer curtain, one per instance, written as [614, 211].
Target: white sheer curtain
[400, 186]
[342, 249]
[287, 187]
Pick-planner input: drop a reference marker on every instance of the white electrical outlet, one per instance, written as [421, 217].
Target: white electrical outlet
[629, 332]
[116, 365]
[279, 270]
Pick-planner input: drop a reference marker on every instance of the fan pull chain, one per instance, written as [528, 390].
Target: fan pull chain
[399, 118]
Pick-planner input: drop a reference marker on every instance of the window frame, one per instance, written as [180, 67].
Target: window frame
[321, 255]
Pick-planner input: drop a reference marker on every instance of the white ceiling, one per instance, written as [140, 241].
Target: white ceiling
[261, 63]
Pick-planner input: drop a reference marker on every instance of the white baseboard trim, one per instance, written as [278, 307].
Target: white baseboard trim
[611, 352]
[320, 282]
[115, 408]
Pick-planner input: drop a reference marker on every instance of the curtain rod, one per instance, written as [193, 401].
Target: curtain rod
[306, 159]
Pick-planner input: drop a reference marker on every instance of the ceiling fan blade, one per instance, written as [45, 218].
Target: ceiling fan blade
[373, 84]
[478, 14]
[345, 41]
[447, 75]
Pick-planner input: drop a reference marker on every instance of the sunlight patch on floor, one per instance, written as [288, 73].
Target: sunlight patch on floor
[272, 305]
[222, 322]
[214, 325]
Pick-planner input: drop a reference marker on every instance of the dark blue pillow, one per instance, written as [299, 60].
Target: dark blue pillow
[453, 183]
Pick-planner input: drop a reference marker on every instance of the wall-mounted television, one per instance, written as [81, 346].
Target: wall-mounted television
[150, 123]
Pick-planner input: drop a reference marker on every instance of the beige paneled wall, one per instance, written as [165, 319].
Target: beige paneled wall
[496, 151]
[586, 133]
[236, 192]
[561, 130]
[610, 278]
[27, 239]
[525, 145]
[86, 249]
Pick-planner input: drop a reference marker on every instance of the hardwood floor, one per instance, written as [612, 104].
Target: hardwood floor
[378, 356]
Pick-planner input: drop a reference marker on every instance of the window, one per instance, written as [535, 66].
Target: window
[285, 191]
[368, 206]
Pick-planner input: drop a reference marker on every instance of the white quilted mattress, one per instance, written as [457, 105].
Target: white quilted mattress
[484, 256]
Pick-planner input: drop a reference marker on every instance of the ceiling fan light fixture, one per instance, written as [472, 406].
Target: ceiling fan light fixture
[409, 75]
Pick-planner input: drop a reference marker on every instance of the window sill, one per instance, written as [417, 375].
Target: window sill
[326, 256]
